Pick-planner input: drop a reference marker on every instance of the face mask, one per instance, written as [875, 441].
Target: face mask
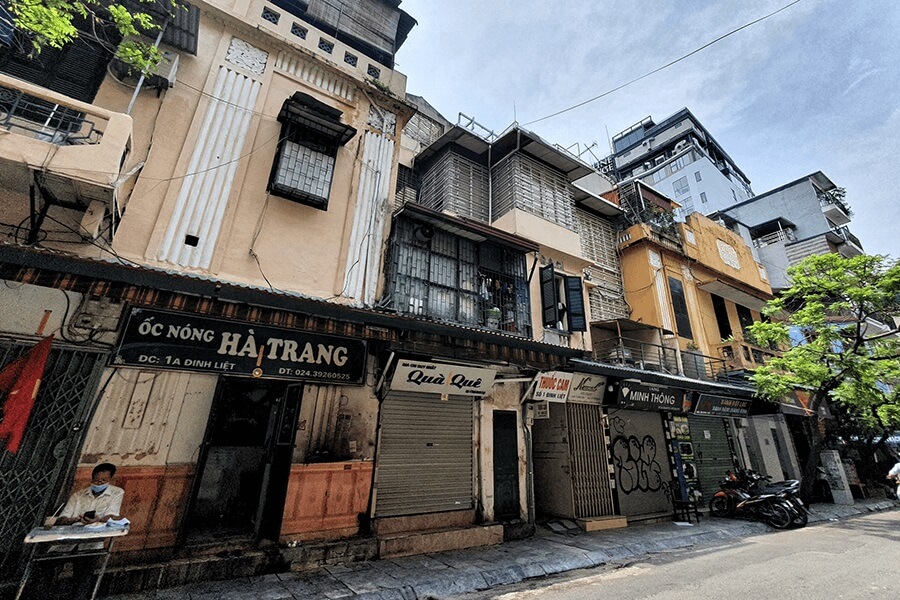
[99, 489]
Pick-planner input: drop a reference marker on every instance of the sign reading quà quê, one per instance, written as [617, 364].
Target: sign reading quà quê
[157, 339]
[439, 378]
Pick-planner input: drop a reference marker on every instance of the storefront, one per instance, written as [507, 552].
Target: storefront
[640, 426]
[426, 466]
[572, 477]
[258, 376]
[712, 444]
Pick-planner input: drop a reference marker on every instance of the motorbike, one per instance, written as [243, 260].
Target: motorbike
[739, 498]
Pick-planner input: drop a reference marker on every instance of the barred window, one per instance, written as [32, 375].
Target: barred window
[311, 133]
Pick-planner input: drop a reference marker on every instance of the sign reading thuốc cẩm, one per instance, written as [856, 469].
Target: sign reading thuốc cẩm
[158, 339]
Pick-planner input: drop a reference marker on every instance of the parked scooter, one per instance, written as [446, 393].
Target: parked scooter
[737, 498]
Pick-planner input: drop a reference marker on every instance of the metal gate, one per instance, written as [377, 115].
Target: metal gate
[641, 461]
[30, 480]
[590, 465]
[425, 455]
[712, 452]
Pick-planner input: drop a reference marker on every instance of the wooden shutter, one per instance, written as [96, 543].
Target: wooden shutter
[575, 304]
[549, 297]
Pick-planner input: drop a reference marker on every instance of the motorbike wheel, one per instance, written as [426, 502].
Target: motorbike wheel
[801, 518]
[780, 516]
[720, 506]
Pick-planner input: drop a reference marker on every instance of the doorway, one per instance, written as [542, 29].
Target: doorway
[506, 466]
[245, 461]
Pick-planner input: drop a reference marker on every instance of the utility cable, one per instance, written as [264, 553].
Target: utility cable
[665, 66]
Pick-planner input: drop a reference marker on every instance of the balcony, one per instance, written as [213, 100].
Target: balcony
[848, 245]
[741, 356]
[776, 237]
[835, 210]
[78, 148]
[705, 368]
[637, 353]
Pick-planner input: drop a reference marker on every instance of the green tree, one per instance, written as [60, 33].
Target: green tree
[845, 309]
[54, 23]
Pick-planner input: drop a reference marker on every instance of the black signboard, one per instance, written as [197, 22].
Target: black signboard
[157, 339]
[641, 396]
[722, 406]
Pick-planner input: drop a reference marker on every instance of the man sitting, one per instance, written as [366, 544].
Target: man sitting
[95, 504]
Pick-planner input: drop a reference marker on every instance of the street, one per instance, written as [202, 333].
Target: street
[855, 558]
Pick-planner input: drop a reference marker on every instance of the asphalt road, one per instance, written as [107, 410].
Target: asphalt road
[855, 558]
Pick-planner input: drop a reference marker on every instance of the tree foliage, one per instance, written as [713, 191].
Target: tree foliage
[54, 23]
[848, 347]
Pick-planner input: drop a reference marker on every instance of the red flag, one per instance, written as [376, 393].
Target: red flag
[21, 380]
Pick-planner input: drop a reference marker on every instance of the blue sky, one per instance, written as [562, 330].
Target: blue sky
[816, 87]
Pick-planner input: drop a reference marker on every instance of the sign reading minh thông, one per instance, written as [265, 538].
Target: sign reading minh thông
[437, 378]
[156, 339]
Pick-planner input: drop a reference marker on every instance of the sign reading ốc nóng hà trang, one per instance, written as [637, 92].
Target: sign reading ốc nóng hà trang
[157, 339]
[641, 396]
[722, 406]
[439, 378]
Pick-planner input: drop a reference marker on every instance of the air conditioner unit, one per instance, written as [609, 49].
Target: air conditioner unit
[163, 75]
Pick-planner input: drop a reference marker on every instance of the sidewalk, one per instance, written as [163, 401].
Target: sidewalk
[458, 572]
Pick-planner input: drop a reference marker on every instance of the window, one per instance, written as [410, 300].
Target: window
[697, 176]
[745, 318]
[659, 175]
[311, 133]
[679, 307]
[437, 274]
[568, 316]
[326, 46]
[270, 15]
[703, 198]
[722, 320]
[681, 186]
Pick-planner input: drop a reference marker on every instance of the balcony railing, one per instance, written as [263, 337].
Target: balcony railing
[700, 366]
[44, 120]
[637, 353]
[782, 235]
[91, 142]
[743, 356]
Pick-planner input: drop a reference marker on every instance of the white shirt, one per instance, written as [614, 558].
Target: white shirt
[895, 471]
[107, 503]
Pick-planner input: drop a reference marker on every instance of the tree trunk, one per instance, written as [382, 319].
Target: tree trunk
[810, 469]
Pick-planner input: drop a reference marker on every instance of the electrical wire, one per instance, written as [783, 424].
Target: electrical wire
[665, 66]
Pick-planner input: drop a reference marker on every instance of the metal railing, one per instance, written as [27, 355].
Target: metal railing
[44, 120]
[826, 200]
[844, 232]
[741, 355]
[775, 237]
[700, 366]
[637, 353]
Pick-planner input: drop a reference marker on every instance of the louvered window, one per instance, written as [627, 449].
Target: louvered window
[182, 23]
[311, 133]
[570, 316]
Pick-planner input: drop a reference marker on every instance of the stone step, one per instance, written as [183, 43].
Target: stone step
[439, 540]
[600, 523]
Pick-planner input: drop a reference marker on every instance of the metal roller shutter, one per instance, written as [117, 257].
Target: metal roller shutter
[425, 455]
[590, 467]
[712, 454]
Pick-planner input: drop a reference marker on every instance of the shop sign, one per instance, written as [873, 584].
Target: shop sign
[541, 410]
[798, 403]
[641, 396]
[437, 378]
[722, 406]
[587, 389]
[156, 339]
[552, 386]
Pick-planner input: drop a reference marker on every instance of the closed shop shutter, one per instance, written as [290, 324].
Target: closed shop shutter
[641, 462]
[712, 452]
[425, 455]
[590, 467]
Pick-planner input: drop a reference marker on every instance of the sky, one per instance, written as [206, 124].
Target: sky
[814, 88]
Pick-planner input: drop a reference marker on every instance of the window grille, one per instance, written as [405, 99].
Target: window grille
[311, 134]
[326, 46]
[373, 72]
[457, 184]
[523, 183]
[437, 274]
[350, 59]
[270, 15]
[299, 31]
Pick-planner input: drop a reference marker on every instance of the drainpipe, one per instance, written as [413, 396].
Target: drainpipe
[529, 463]
[140, 83]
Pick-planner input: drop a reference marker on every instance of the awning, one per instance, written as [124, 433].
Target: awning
[729, 292]
[304, 110]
